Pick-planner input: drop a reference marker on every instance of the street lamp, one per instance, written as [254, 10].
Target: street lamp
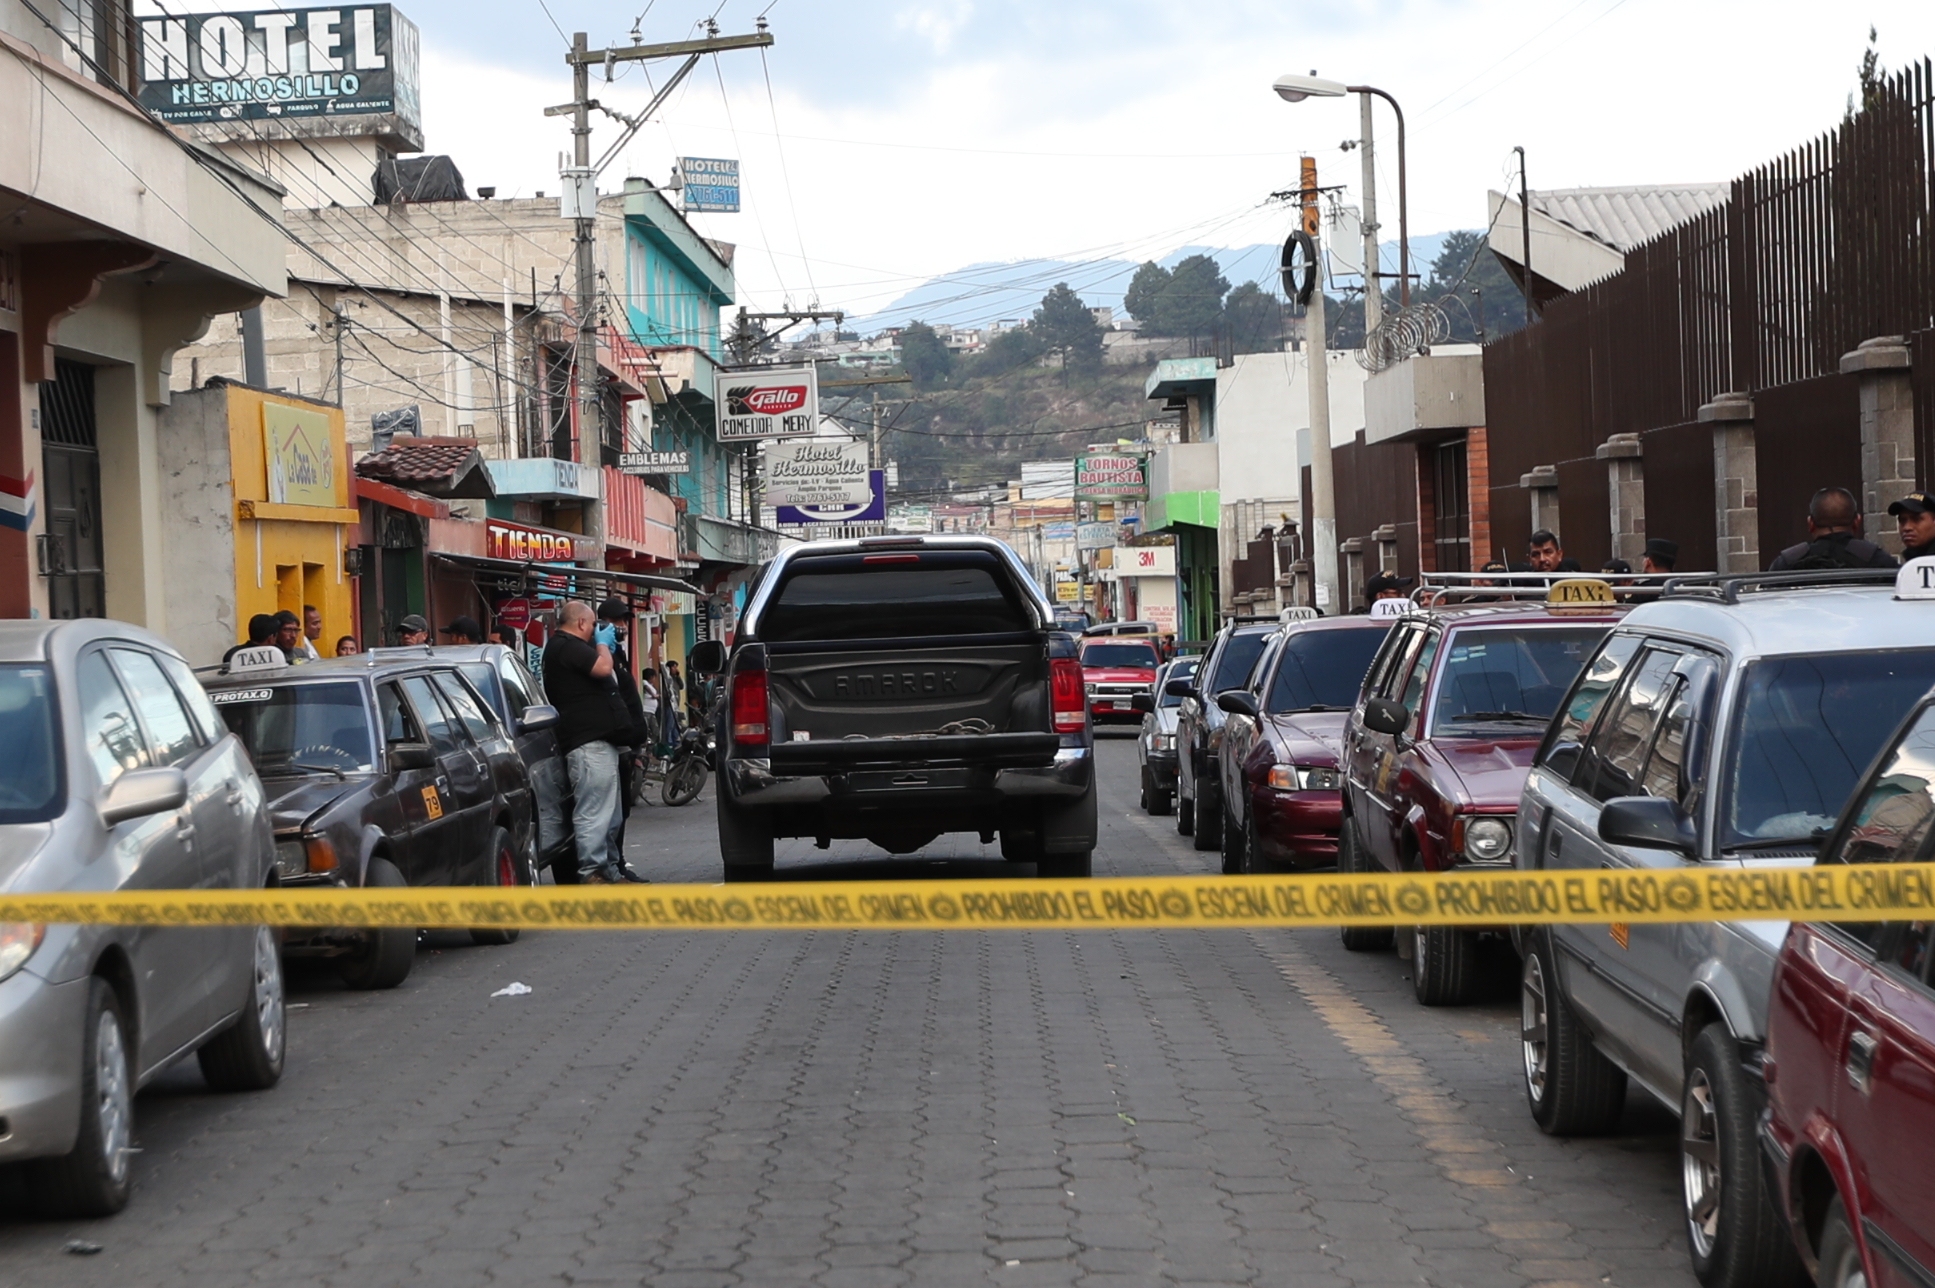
[1295, 89]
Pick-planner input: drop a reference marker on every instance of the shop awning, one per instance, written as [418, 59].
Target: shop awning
[588, 583]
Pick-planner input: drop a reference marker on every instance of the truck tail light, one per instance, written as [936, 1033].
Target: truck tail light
[748, 703]
[1067, 694]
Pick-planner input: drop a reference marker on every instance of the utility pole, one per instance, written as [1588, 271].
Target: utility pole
[873, 439]
[1373, 280]
[1525, 233]
[580, 203]
[1323, 489]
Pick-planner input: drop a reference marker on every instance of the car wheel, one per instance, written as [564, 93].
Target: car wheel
[1185, 815]
[92, 1179]
[745, 843]
[1572, 1089]
[1442, 964]
[507, 868]
[1080, 864]
[1147, 791]
[1253, 862]
[1161, 800]
[248, 1054]
[1359, 939]
[1733, 1231]
[1233, 838]
[1840, 1260]
[1209, 823]
[384, 958]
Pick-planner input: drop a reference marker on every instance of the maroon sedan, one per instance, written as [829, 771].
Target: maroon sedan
[1850, 1060]
[1437, 751]
[1281, 744]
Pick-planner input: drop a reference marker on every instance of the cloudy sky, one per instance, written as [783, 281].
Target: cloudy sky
[899, 141]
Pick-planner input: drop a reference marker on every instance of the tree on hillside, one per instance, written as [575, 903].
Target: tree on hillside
[1064, 324]
[1192, 303]
[1012, 349]
[1253, 318]
[926, 360]
[1143, 298]
[1488, 303]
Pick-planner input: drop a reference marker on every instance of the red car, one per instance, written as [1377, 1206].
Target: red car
[1849, 1132]
[1283, 740]
[1438, 748]
[1114, 670]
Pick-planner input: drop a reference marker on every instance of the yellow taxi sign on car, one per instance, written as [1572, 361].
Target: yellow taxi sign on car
[1579, 592]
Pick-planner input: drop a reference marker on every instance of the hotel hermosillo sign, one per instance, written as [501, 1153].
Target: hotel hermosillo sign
[1112, 476]
[514, 541]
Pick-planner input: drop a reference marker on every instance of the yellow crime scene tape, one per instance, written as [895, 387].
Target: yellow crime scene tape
[1860, 893]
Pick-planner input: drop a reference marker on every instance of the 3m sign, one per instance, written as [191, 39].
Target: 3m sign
[1113, 477]
[768, 402]
[1144, 561]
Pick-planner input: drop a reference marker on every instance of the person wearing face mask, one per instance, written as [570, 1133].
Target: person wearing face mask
[593, 724]
[614, 616]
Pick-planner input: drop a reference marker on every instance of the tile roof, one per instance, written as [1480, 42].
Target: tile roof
[1623, 218]
[444, 467]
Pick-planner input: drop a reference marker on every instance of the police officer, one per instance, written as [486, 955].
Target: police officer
[1915, 518]
[1834, 537]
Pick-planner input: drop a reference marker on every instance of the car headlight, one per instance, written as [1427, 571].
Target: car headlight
[1487, 840]
[290, 858]
[1305, 778]
[1162, 742]
[1089, 689]
[18, 939]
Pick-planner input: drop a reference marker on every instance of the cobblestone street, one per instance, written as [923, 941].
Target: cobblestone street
[864, 1109]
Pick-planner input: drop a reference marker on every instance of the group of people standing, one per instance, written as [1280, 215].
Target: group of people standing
[295, 636]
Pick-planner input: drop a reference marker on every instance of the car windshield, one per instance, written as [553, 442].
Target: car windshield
[297, 727]
[1322, 670]
[30, 785]
[1180, 671]
[1508, 675]
[1804, 729]
[1120, 654]
[1239, 658]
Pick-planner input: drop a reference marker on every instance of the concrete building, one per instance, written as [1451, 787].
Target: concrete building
[123, 243]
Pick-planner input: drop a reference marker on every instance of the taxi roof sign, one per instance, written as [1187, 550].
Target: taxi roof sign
[1390, 607]
[1916, 580]
[261, 657]
[1298, 613]
[1579, 590]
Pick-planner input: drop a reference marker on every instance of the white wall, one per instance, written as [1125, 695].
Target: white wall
[1262, 401]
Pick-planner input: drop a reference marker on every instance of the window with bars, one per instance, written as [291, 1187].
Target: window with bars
[1451, 508]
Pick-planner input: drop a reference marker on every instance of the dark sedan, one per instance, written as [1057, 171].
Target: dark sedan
[384, 770]
[1228, 664]
[1283, 743]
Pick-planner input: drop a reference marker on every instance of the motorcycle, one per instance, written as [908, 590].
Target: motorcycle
[686, 770]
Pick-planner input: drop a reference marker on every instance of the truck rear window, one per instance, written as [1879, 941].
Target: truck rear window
[861, 602]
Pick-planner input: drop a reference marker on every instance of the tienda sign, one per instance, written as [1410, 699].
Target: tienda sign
[1114, 477]
[516, 542]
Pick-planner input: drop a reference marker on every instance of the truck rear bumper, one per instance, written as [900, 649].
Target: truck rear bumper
[751, 783]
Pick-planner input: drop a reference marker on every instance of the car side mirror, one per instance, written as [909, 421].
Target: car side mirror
[1143, 702]
[1238, 702]
[1179, 689]
[142, 792]
[708, 657]
[410, 755]
[1381, 715]
[537, 717]
[1648, 823]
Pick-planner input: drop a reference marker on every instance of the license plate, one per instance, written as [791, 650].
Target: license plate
[1121, 704]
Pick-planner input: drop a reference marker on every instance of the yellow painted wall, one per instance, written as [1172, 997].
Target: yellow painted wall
[289, 560]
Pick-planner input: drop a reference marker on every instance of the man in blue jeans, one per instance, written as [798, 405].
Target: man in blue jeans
[592, 722]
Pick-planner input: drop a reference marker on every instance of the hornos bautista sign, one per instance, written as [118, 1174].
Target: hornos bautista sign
[1112, 476]
[520, 544]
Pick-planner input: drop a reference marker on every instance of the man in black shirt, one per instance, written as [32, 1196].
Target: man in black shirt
[1916, 515]
[262, 629]
[592, 721]
[1834, 537]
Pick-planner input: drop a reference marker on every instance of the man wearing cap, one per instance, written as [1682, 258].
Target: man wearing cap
[413, 630]
[1915, 516]
[464, 630]
[1385, 586]
[1660, 555]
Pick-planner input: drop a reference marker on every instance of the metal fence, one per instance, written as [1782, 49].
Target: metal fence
[1813, 253]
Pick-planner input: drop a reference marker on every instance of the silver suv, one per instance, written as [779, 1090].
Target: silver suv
[1723, 725]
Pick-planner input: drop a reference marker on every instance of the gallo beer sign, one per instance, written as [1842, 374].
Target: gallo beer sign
[532, 545]
[767, 402]
[1115, 476]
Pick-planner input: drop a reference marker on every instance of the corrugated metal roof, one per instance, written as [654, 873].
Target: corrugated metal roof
[1623, 218]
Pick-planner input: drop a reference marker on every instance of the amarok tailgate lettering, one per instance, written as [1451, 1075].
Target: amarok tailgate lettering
[883, 683]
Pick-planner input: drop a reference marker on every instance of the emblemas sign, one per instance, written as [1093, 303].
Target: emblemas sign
[260, 64]
[769, 402]
[1113, 477]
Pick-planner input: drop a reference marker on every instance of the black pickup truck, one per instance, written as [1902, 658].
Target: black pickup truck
[897, 688]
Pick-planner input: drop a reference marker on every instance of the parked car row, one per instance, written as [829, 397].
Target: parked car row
[1725, 724]
[398, 767]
